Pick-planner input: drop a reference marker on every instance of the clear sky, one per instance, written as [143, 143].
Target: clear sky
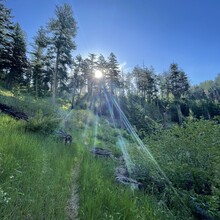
[139, 32]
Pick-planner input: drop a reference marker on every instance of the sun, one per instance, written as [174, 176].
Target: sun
[98, 74]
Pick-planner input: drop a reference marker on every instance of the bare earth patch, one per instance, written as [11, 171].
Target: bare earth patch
[72, 209]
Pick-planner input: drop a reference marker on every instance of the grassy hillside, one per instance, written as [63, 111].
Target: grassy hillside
[35, 174]
[36, 168]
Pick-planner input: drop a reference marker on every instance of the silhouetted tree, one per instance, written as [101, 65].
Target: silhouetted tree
[63, 30]
[113, 73]
[90, 64]
[77, 80]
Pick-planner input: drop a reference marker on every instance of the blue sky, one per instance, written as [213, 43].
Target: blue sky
[149, 32]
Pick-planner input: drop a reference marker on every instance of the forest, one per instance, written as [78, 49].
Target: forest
[144, 145]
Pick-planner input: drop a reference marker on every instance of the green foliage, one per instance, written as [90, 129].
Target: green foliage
[82, 118]
[62, 30]
[40, 76]
[19, 63]
[41, 123]
[190, 156]
[6, 33]
[106, 133]
[146, 118]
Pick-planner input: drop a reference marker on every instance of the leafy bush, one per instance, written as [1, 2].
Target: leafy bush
[41, 123]
[189, 155]
[82, 118]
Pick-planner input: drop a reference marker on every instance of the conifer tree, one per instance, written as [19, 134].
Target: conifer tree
[113, 73]
[89, 67]
[63, 30]
[77, 80]
[102, 65]
[6, 40]
[19, 62]
[146, 83]
[38, 63]
[179, 86]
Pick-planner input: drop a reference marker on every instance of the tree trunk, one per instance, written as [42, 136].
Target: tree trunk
[73, 101]
[179, 113]
[54, 87]
[164, 119]
[36, 89]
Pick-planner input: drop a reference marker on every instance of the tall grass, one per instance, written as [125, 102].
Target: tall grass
[35, 174]
[103, 198]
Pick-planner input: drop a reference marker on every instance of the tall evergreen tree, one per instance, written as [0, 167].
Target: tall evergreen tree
[6, 40]
[113, 73]
[77, 80]
[63, 30]
[179, 86]
[146, 83]
[102, 65]
[89, 67]
[38, 63]
[19, 62]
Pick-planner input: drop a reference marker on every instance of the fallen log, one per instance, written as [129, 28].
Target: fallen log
[128, 181]
[98, 151]
[12, 112]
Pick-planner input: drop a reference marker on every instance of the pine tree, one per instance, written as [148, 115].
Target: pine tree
[89, 67]
[146, 83]
[164, 95]
[102, 65]
[38, 63]
[77, 81]
[19, 62]
[63, 30]
[6, 40]
[113, 73]
[179, 86]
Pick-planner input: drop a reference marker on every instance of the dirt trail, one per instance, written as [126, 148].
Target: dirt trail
[72, 210]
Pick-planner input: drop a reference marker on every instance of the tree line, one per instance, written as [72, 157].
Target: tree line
[51, 70]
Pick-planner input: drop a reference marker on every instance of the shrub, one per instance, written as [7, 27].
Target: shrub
[41, 123]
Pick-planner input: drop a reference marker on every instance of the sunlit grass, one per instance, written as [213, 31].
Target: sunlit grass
[101, 197]
[35, 174]
[6, 92]
[36, 171]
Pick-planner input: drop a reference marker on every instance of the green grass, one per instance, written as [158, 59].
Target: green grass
[35, 174]
[36, 171]
[101, 197]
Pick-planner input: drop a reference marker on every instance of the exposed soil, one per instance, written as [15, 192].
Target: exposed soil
[72, 209]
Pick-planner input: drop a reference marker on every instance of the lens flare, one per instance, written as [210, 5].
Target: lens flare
[98, 74]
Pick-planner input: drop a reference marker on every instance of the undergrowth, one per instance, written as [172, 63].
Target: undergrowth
[190, 156]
